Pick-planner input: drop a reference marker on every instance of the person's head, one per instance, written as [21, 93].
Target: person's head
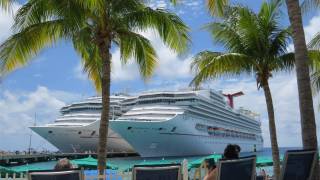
[210, 163]
[63, 164]
[231, 151]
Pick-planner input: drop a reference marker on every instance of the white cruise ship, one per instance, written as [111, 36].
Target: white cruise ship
[77, 129]
[186, 123]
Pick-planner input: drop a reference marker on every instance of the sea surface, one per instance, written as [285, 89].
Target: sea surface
[128, 162]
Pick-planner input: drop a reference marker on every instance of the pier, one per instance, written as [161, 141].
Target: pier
[16, 159]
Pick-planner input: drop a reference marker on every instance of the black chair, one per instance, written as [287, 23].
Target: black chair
[260, 178]
[243, 168]
[298, 164]
[157, 172]
[74, 174]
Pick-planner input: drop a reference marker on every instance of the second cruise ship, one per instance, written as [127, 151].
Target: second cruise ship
[186, 123]
[77, 129]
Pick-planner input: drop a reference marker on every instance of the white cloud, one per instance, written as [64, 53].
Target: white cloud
[6, 21]
[312, 28]
[18, 109]
[78, 72]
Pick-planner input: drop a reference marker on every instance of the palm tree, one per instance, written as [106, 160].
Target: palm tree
[308, 125]
[255, 45]
[94, 27]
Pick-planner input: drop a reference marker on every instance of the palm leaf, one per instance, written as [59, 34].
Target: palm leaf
[133, 45]
[19, 49]
[6, 4]
[90, 57]
[171, 29]
[210, 65]
[216, 7]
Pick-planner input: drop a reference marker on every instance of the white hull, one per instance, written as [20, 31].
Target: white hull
[157, 138]
[71, 139]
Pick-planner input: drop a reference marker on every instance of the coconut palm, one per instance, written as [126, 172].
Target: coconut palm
[94, 27]
[256, 45]
[308, 125]
[302, 61]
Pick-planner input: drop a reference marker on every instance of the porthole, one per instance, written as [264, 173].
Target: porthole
[129, 128]
[79, 132]
[49, 132]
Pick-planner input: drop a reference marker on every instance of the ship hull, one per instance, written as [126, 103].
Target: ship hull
[176, 137]
[81, 139]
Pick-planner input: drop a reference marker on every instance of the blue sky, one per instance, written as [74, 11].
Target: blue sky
[54, 78]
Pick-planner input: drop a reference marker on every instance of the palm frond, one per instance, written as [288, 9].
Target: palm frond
[315, 42]
[284, 62]
[209, 65]
[216, 7]
[90, 57]
[171, 29]
[18, 50]
[133, 45]
[38, 11]
[6, 4]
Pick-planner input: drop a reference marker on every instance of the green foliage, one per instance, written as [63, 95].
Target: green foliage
[6, 4]
[255, 45]
[41, 23]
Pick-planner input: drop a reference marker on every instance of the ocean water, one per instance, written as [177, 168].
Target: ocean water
[126, 163]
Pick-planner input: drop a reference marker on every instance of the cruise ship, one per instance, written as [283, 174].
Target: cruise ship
[77, 129]
[186, 123]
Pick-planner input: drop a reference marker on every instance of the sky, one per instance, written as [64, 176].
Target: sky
[54, 78]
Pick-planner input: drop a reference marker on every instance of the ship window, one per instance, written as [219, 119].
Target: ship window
[160, 129]
[79, 132]
[49, 132]
[129, 128]
[93, 132]
[173, 129]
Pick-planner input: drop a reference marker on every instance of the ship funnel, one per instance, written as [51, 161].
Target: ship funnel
[231, 96]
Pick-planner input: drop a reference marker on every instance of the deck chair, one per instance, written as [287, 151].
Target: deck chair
[56, 175]
[298, 164]
[243, 168]
[157, 172]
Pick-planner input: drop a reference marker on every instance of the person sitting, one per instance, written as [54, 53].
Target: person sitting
[232, 151]
[63, 164]
[211, 166]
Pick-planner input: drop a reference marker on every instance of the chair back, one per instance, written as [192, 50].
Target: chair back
[243, 168]
[56, 175]
[298, 164]
[157, 172]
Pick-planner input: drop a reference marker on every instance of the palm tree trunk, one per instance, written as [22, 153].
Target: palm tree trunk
[273, 132]
[104, 50]
[308, 125]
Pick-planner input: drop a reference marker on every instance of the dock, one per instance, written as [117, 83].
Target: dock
[16, 159]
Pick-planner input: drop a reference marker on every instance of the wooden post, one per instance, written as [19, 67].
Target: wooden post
[185, 172]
